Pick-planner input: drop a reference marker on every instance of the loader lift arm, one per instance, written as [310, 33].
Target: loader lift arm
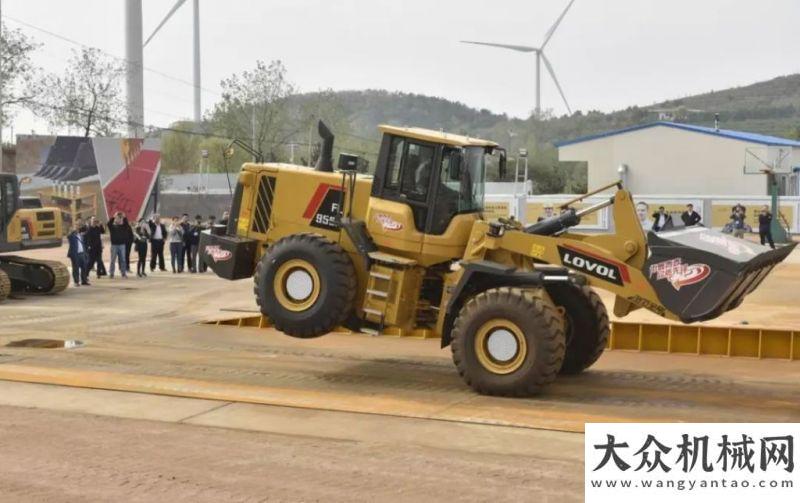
[691, 274]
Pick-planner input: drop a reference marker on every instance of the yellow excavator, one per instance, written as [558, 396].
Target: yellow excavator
[27, 229]
[408, 251]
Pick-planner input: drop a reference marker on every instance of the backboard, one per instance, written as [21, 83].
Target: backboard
[759, 159]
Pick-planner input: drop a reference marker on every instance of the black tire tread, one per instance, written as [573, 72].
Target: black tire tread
[345, 277]
[576, 362]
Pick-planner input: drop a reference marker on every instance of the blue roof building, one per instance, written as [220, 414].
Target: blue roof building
[683, 159]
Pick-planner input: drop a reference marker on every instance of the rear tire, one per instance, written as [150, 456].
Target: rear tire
[586, 326]
[306, 285]
[508, 342]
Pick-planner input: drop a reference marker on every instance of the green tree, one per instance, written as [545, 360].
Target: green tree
[218, 161]
[19, 78]
[180, 152]
[87, 96]
[255, 109]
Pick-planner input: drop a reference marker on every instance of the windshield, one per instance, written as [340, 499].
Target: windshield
[466, 178]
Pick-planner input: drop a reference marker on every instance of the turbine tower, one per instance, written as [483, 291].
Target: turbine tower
[133, 53]
[540, 58]
[134, 79]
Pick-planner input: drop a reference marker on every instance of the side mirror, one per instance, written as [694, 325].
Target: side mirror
[502, 168]
[228, 154]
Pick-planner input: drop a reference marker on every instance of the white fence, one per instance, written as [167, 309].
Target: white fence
[714, 210]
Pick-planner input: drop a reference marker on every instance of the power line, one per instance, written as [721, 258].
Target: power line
[155, 91]
[124, 60]
[152, 128]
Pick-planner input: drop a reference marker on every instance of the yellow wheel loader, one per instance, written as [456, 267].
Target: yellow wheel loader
[26, 229]
[408, 251]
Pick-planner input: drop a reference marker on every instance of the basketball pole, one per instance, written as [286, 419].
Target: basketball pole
[779, 234]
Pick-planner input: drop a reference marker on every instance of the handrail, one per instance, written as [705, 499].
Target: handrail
[617, 184]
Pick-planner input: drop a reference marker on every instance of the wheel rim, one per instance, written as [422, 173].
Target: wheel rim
[296, 285]
[500, 346]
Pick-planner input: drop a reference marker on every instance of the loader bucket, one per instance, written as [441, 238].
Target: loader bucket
[699, 273]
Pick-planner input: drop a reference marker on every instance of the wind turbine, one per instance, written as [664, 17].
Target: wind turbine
[196, 49]
[540, 58]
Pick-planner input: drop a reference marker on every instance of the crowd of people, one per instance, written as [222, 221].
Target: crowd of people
[662, 220]
[737, 225]
[181, 236]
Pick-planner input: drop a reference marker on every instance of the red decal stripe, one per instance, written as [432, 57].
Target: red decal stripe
[623, 269]
[316, 199]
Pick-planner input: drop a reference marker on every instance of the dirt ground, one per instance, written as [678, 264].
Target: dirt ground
[51, 456]
[156, 406]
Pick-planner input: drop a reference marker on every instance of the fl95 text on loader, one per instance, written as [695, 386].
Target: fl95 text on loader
[408, 250]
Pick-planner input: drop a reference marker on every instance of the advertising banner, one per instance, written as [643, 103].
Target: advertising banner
[128, 168]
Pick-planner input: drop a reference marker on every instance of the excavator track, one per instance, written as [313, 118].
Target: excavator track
[5, 286]
[32, 276]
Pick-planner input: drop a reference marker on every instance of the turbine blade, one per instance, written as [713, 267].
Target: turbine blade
[555, 80]
[164, 21]
[555, 25]
[520, 48]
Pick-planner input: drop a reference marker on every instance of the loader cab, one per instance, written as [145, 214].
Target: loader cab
[436, 174]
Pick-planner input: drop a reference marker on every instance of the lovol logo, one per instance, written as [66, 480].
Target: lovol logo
[593, 266]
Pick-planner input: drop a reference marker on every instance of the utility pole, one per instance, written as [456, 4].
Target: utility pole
[253, 130]
[134, 76]
[196, 68]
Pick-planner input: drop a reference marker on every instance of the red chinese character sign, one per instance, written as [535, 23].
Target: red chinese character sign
[128, 169]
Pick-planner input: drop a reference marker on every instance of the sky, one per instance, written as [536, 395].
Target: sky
[607, 54]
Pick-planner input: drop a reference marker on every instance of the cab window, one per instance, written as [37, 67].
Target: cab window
[393, 164]
[417, 170]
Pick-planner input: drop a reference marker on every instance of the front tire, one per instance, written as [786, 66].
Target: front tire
[508, 342]
[305, 284]
[586, 326]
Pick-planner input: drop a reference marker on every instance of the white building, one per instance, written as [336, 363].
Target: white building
[683, 159]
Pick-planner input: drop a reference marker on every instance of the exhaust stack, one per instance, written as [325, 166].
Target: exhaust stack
[325, 161]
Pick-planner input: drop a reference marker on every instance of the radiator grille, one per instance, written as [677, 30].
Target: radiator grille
[263, 210]
[45, 216]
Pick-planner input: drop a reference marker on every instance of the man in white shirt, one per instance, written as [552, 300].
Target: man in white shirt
[662, 220]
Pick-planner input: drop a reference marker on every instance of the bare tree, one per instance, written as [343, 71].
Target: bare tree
[254, 108]
[87, 96]
[19, 78]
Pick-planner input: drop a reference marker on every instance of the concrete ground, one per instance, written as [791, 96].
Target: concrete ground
[155, 406]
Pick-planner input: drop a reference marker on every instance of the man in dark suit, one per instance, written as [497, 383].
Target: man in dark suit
[186, 250]
[77, 254]
[158, 233]
[661, 220]
[765, 227]
[94, 243]
[690, 217]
